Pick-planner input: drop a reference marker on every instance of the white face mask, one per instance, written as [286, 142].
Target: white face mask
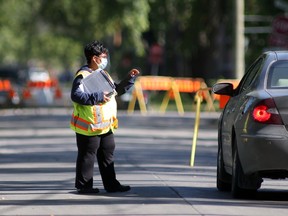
[103, 64]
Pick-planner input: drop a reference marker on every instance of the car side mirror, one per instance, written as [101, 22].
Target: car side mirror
[223, 89]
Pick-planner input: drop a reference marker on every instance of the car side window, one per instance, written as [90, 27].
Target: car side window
[278, 75]
[250, 76]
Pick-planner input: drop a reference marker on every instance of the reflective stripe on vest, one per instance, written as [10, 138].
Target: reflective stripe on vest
[85, 125]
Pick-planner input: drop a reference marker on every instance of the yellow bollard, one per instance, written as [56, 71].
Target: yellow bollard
[198, 99]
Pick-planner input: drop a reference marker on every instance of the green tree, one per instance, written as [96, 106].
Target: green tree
[16, 28]
[266, 11]
[55, 31]
[194, 35]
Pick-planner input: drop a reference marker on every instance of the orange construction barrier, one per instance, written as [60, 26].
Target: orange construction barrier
[189, 85]
[223, 99]
[155, 83]
[5, 85]
[51, 83]
[172, 86]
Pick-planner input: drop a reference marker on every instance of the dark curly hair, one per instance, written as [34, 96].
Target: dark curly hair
[94, 48]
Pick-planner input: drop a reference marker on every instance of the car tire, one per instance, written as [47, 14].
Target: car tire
[239, 176]
[223, 178]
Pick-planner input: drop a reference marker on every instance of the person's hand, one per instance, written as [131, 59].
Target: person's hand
[134, 72]
[105, 97]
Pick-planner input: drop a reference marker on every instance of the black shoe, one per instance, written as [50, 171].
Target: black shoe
[119, 188]
[88, 190]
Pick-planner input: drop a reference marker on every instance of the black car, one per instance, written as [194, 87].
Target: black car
[253, 127]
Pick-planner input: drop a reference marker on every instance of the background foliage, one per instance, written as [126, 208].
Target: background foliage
[196, 36]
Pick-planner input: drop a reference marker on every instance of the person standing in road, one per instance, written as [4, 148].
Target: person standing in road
[94, 121]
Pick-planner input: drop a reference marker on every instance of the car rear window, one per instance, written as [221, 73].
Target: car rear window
[278, 75]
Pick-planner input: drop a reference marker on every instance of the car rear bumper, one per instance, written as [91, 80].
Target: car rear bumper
[262, 152]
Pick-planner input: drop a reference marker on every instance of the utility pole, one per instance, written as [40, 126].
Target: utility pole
[239, 39]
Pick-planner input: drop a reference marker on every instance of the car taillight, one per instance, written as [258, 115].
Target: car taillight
[266, 112]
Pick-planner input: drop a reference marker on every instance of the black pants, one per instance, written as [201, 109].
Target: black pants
[90, 147]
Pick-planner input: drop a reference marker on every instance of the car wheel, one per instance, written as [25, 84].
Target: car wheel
[239, 177]
[223, 178]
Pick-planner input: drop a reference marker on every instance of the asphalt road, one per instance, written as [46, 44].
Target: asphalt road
[37, 168]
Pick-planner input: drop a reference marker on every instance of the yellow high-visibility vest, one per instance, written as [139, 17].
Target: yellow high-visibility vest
[96, 119]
